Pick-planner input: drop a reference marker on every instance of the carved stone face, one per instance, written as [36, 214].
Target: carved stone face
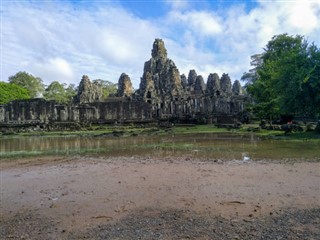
[125, 88]
[159, 50]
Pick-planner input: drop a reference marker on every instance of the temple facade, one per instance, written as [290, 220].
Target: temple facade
[163, 95]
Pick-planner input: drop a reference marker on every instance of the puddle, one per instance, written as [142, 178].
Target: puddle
[204, 145]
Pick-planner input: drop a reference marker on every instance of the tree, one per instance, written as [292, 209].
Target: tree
[71, 91]
[58, 92]
[55, 91]
[311, 84]
[287, 80]
[108, 88]
[33, 84]
[251, 76]
[10, 92]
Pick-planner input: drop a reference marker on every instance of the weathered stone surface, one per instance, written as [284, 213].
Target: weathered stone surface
[88, 92]
[161, 78]
[184, 81]
[2, 113]
[213, 84]
[199, 86]
[158, 49]
[48, 114]
[147, 89]
[225, 83]
[31, 110]
[125, 88]
[236, 87]
[192, 76]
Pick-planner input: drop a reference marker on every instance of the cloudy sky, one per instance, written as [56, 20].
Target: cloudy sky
[65, 39]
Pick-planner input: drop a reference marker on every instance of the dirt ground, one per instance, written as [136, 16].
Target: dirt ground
[141, 198]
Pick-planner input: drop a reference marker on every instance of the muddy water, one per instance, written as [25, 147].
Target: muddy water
[206, 146]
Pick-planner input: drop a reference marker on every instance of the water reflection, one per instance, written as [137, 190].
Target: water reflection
[209, 146]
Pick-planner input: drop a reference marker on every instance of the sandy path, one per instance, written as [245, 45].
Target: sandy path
[81, 193]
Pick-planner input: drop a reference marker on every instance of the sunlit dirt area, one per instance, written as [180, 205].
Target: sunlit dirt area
[165, 198]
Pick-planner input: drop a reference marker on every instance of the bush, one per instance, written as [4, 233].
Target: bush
[10, 92]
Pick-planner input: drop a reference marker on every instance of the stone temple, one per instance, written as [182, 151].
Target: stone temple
[163, 96]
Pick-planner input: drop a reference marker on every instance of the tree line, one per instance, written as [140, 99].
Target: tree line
[23, 85]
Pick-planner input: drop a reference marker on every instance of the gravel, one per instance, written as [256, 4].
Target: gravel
[179, 224]
[172, 224]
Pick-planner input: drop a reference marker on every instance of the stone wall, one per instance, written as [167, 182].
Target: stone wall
[33, 110]
[164, 94]
[41, 112]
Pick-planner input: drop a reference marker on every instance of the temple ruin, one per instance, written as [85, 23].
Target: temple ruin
[163, 95]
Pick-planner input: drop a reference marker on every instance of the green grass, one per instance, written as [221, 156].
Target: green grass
[53, 152]
[200, 129]
[298, 136]
[130, 130]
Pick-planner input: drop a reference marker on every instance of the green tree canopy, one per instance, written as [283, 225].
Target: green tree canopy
[10, 92]
[34, 85]
[288, 79]
[108, 88]
[59, 92]
[70, 91]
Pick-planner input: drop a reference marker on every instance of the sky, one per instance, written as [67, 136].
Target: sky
[61, 40]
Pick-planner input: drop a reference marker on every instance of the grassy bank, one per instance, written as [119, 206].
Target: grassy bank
[126, 131]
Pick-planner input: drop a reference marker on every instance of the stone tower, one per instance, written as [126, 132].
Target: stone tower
[88, 92]
[192, 76]
[236, 88]
[213, 84]
[199, 86]
[225, 84]
[125, 88]
[161, 78]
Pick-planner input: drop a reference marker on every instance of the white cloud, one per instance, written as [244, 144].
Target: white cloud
[304, 16]
[204, 22]
[57, 41]
[55, 69]
[285, 17]
[237, 34]
[199, 22]
[101, 43]
[178, 4]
